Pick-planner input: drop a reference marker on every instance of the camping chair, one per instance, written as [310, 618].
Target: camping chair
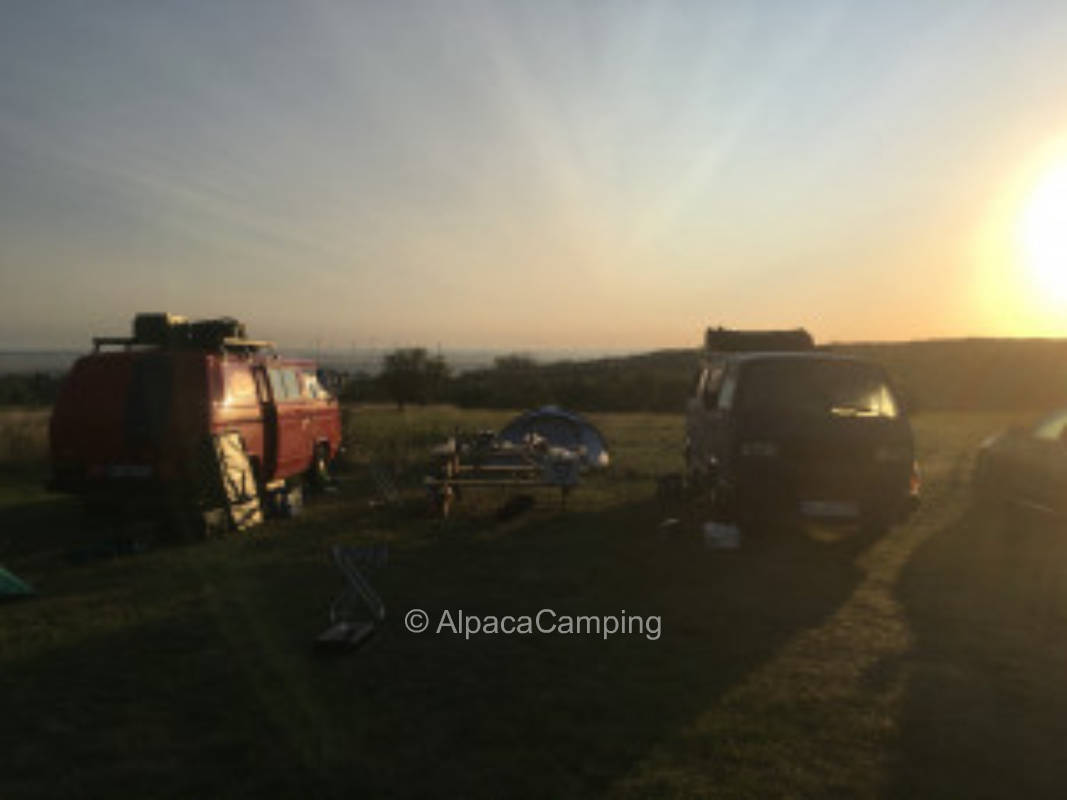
[345, 631]
[385, 484]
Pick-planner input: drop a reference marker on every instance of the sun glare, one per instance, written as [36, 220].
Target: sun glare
[1043, 234]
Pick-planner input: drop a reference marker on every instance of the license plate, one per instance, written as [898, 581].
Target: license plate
[129, 471]
[828, 508]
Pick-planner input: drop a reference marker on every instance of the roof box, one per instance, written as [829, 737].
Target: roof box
[215, 332]
[158, 328]
[725, 340]
[173, 331]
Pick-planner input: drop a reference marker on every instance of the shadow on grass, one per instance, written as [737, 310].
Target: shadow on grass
[986, 709]
[227, 697]
[32, 520]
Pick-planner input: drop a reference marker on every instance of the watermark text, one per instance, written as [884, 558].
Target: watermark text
[546, 621]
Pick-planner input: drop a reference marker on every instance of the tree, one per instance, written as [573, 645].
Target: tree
[514, 362]
[411, 375]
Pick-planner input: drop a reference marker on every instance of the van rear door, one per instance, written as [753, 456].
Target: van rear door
[148, 406]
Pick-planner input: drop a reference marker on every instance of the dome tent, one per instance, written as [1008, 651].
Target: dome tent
[560, 428]
[12, 586]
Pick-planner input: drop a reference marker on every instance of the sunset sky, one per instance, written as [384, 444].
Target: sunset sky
[534, 174]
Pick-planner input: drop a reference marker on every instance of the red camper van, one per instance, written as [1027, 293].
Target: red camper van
[131, 415]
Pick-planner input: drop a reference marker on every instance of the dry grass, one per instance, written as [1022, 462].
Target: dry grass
[24, 435]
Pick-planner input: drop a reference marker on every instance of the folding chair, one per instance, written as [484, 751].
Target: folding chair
[345, 631]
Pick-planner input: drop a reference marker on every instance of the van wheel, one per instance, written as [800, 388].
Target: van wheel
[319, 473]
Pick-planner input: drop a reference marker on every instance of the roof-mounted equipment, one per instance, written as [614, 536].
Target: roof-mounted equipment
[171, 331]
[725, 340]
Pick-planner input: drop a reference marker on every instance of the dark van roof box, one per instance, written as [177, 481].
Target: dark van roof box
[724, 340]
[174, 331]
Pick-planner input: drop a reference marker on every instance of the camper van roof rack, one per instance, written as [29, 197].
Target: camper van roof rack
[228, 343]
[739, 341]
[236, 343]
[172, 332]
[114, 341]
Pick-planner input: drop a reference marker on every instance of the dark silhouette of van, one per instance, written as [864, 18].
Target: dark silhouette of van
[133, 416]
[798, 431]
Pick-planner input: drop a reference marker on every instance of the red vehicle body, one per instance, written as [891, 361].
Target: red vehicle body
[133, 418]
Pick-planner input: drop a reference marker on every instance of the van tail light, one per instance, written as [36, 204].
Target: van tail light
[915, 483]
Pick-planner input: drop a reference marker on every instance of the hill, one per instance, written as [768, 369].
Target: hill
[974, 374]
[940, 374]
[1015, 375]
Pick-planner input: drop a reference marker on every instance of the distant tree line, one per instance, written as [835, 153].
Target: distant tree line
[938, 375]
[949, 375]
[29, 389]
[656, 382]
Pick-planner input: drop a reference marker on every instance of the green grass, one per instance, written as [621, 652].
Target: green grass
[812, 662]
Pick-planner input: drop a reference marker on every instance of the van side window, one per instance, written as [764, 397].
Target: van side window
[694, 388]
[314, 389]
[712, 385]
[277, 387]
[726, 393]
[292, 385]
[287, 385]
[715, 376]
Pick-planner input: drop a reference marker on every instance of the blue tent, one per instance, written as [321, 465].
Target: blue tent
[13, 586]
[561, 428]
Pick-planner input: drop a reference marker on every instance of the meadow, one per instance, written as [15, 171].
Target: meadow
[810, 662]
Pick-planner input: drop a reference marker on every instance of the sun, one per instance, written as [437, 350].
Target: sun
[1043, 234]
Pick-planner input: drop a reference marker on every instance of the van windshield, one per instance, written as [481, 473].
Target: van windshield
[815, 387]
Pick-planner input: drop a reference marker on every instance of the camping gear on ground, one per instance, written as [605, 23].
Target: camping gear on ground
[721, 536]
[238, 481]
[346, 631]
[547, 447]
[222, 493]
[283, 500]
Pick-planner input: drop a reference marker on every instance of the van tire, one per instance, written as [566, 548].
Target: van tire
[319, 471]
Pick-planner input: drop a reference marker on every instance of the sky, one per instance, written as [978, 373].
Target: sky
[584, 174]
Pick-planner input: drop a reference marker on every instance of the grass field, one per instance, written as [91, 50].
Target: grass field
[809, 663]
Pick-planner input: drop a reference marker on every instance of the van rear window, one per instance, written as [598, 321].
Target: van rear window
[815, 387]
